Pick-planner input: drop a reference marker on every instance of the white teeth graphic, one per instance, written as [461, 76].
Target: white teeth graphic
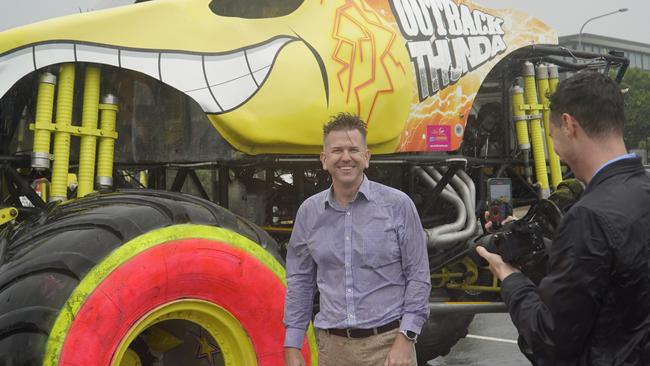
[96, 54]
[185, 73]
[218, 82]
[49, 54]
[229, 78]
[14, 66]
[144, 62]
[261, 58]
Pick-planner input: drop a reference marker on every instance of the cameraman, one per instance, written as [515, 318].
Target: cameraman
[593, 306]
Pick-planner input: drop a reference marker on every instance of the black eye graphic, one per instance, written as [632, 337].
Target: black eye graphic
[254, 9]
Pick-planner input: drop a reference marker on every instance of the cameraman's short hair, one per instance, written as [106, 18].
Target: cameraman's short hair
[592, 98]
[345, 122]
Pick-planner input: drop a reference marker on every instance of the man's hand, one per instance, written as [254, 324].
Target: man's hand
[498, 267]
[293, 357]
[488, 223]
[401, 353]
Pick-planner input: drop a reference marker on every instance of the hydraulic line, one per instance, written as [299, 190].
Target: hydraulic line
[61, 163]
[44, 108]
[553, 159]
[530, 94]
[106, 152]
[89, 116]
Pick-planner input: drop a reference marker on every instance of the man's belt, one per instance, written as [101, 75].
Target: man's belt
[363, 333]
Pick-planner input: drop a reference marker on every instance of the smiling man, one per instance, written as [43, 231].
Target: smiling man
[362, 246]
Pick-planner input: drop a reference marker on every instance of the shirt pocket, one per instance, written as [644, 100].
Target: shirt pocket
[380, 249]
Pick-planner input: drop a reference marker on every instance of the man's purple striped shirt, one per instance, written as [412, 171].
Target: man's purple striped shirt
[368, 260]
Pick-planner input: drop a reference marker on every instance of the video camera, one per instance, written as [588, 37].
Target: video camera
[524, 243]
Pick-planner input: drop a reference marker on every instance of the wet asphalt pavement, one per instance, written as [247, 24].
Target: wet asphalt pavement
[491, 340]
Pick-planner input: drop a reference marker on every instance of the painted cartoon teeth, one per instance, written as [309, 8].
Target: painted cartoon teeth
[218, 82]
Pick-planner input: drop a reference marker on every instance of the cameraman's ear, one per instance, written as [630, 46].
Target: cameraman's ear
[570, 125]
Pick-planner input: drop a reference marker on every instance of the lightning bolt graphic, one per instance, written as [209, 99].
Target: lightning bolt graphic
[364, 51]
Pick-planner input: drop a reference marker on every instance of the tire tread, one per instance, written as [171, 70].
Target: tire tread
[67, 241]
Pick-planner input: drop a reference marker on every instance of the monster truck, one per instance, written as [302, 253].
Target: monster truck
[153, 157]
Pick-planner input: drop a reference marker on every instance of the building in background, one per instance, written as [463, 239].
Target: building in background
[638, 53]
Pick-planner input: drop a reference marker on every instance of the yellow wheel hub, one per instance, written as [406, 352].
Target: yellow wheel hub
[235, 345]
[130, 359]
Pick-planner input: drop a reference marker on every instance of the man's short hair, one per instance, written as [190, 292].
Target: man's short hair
[345, 122]
[592, 98]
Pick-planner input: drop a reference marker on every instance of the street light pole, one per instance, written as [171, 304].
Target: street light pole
[621, 10]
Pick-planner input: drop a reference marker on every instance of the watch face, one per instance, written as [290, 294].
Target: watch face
[410, 334]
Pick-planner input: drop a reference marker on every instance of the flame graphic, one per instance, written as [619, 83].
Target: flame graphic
[364, 49]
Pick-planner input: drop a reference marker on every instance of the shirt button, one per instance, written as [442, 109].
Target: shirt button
[347, 213]
[347, 238]
[349, 290]
[350, 316]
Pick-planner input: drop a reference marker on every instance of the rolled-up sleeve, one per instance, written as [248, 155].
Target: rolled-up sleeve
[415, 264]
[301, 284]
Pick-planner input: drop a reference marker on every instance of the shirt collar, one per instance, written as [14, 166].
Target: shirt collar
[621, 157]
[364, 191]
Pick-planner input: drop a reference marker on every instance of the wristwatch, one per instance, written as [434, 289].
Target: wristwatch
[412, 336]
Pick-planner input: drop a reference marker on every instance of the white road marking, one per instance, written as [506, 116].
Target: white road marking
[502, 340]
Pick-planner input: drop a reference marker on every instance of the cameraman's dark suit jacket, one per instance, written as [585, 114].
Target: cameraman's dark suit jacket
[593, 307]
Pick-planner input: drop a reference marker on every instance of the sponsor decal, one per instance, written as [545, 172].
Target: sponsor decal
[446, 40]
[438, 138]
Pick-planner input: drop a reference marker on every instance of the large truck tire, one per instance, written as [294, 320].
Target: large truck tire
[141, 278]
[440, 333]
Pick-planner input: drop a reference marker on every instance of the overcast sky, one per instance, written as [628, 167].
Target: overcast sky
[18, 12]
[566, 16]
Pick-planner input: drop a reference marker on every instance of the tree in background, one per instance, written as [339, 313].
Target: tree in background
[637, 108]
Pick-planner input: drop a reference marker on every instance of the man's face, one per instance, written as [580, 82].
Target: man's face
[345, 156]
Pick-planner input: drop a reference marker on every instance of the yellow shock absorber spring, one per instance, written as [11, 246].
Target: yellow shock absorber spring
[530, 94]
[521, 127]
[519, 114]
[59, 186]
[553, 159]
[44, 107]
[106, 151]
[553, 78]
[88, 145]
